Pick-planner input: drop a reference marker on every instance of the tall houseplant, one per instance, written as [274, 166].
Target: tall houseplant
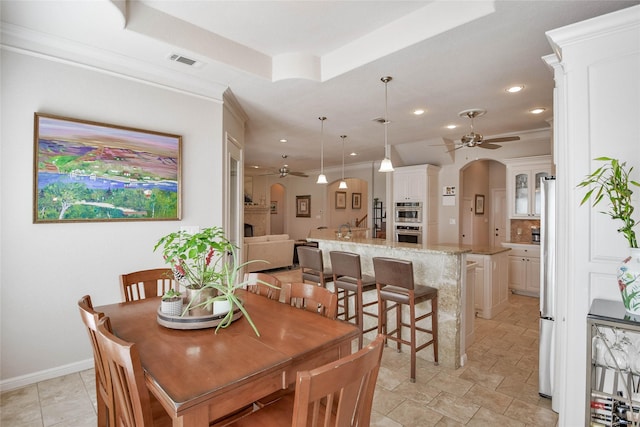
[613, 181]
[206, 260]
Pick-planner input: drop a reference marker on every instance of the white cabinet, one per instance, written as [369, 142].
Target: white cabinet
[410, 184]
[523, 185]
[491, 290]
[524, 269]
[419, 184]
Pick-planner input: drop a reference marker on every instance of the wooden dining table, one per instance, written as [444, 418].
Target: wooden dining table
[199, 375]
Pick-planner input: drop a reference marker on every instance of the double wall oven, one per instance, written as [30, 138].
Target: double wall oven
[408, 222]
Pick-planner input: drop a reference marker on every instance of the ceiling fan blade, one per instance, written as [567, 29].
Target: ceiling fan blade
[457, 148]
[488, 146]
[300, 174]
[503, 139]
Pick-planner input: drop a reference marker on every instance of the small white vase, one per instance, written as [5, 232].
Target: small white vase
[629, 282]
[221, 307]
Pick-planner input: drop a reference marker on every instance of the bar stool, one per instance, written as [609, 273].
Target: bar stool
[348, 278]
[394, 282]
[312, 266]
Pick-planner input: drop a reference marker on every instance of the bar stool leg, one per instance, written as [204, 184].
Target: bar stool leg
[382, 319]
[398, 327]
[412, 314]
[359, 317]
[434, 328]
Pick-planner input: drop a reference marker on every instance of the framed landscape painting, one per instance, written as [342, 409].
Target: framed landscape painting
[88, 171]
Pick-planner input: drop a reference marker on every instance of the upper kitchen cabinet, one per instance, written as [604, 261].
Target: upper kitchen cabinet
[523, 185]
[413, 183]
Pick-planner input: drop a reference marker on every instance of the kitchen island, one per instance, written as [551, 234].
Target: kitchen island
[441, 266]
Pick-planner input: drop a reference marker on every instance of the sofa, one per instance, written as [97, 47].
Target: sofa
[275, 249]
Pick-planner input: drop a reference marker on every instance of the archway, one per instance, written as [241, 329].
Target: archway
[483, 218]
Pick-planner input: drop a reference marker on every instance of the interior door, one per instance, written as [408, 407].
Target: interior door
[498, 216]
[466, 237]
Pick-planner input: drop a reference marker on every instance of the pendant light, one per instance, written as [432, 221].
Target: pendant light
[343, 183]
[386, 165]
[322, 179]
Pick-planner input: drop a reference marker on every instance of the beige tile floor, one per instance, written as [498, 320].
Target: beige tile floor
[497, 387]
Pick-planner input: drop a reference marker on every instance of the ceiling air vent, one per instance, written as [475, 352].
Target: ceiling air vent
[183, 60]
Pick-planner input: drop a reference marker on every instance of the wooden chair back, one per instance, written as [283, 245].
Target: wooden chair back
[312, 298]
[132, 402]
[146, 283]
[342, 389]
[104, 391]
[263, 284]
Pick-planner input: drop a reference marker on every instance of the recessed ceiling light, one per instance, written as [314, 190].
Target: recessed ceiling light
[256, 167]
[451, 126]
[515, 89]
[353, 154]
[537, 110]
[283, 140]
[418, 111]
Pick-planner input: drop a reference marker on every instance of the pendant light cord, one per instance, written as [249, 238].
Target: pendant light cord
[343, 137]
[386, 117]
[322, 119]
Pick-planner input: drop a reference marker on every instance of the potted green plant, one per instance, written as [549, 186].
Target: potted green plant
[206, 264]
[171, 303]
[613, 181]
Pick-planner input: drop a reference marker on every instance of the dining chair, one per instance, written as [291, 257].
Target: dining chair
[133, 405]
[146, 283]
[104, 393]
[395, 283]
[348, 278]
[130, 395]
[339, 393]
[312, 298]
[312, 266]
[263, 284]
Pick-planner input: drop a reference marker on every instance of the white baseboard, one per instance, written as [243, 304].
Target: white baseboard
[28, 379]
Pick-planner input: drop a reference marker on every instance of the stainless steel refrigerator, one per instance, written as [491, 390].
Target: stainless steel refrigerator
[547, 286]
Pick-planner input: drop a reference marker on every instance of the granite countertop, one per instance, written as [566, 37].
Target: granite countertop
[486, 250]
[438, 248]
[516, 244]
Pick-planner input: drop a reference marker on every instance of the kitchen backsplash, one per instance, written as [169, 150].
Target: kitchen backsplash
[521, 230]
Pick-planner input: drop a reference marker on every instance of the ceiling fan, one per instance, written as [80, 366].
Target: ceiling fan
[284, 171]
[473, 139]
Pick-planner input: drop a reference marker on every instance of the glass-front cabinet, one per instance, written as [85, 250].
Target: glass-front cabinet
[523, 182]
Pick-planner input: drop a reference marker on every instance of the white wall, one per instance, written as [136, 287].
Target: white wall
[46, 268]
[597, 107]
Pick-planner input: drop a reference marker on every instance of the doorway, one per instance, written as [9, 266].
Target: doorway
[234, 194]
[478, 181]
[466, 234]
[277, 208]
[498, 216]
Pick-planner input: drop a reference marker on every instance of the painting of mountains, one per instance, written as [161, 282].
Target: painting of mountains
[89, 171]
